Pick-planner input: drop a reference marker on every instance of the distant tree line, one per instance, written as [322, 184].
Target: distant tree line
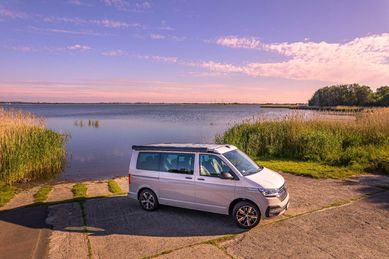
[350, 95]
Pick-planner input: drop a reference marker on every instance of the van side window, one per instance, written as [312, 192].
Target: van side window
[177, 163]
[148, 161]
[211, 165]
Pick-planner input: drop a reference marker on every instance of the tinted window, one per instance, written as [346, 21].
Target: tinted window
[148, 161]
[177, 163]
[211, 165]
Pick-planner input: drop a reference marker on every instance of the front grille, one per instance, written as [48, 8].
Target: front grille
[282, 192]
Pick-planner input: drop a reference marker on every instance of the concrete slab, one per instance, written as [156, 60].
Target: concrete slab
[97, 188]
[120, 227]
[24, 233]
[23, 198]
[61, 192]
[359, 230]
[195, 252]
[67, 239]
[308, 194]
[371, 180]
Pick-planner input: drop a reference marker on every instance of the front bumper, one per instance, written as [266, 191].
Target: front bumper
[272, 211]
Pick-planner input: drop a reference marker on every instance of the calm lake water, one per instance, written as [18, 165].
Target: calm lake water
[103, 150]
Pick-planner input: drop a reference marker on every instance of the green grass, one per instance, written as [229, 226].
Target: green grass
[7, 192]
[28, 150]
[79, 190]
[114, 187]
[336, 145]
[42, 193]
[308, 168]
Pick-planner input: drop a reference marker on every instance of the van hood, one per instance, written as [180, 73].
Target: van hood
[267, 178]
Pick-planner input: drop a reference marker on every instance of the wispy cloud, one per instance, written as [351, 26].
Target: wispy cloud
[78, 47]
[64, 31]
[107, 23]
[363, 59]
[143, 5]
[22, 49]
[165, 27]
[114, 24]
[157, 36]
[75, 2]
[114, 53]
[160, 58]
[102, 22]
[79, 3]
[12, 14]
[49, 50]
[236, 42]
[123, 5]
[118, 4]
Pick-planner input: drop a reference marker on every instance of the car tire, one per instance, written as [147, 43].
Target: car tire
[246, 214]
[148, 200]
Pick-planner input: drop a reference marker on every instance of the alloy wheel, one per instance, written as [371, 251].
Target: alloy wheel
[247, 216]
[147, 200]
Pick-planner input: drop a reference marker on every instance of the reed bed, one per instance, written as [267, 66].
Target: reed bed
[360, 142]
[28, 150]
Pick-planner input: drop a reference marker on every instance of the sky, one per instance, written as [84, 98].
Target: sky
[189, 51]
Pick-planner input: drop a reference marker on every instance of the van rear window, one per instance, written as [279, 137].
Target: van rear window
[177, 163]
[166, 162]
[148, 161]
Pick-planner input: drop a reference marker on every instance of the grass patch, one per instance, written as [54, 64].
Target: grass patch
[28, 150]
[308, 168]
[79, 190]
[335, 145]
[114, 187]
[7, 192]
[221, 239]
[42, 194]
[84, 218]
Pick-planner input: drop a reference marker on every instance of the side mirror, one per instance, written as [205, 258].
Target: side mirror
[226, 175]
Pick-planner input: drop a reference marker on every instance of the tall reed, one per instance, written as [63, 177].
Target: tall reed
[28, 150]
[360, 141]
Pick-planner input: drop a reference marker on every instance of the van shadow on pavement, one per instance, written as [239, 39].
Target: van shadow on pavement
[120, 215]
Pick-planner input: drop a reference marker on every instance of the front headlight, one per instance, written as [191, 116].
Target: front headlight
[268, 192]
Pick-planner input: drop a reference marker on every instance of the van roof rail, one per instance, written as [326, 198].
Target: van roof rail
[179, 147]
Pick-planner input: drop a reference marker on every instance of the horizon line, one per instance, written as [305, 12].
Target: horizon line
[140, 103]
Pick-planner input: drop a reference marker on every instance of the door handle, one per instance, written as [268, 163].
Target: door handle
[188, 177]
[200, 179]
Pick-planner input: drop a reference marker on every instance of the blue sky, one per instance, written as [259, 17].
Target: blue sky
[189, 51]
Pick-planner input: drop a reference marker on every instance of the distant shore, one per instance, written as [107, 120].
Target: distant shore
[293, 106]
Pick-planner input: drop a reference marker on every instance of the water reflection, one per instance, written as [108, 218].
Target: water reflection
[91, 123]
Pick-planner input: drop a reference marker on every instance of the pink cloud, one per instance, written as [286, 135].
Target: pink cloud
[363, 60]
[236, 42]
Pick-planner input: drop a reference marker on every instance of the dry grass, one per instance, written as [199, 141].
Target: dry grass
[28, 150]
[360, 142]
